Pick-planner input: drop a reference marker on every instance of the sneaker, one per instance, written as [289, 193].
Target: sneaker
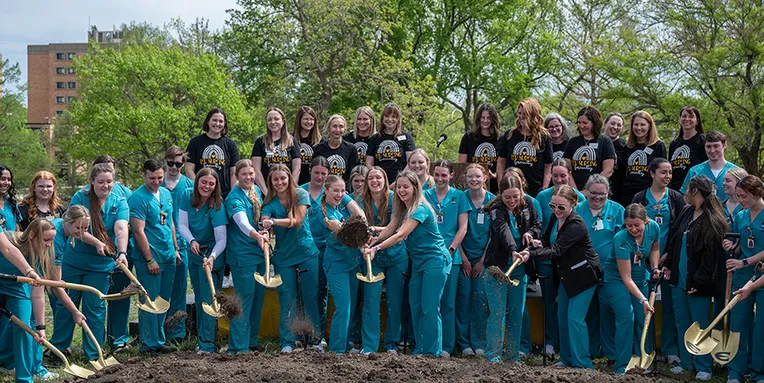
[549, 350]
[672, 359]
[445, 354]
[257, 348]
[703, 375]
[166, 349]
[355, 350]
[227, 282]
[50, 375]
[522, 354]
[677, 370]
[364, 353]
[733, 381]
[559, 364]
[202, 352]
[316, 347]
[323, 343]
[287, 350]
[118, 348]
[392, 351]
[468, 352]
[479, 352]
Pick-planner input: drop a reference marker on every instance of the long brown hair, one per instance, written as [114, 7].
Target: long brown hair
[368, 199]
[291, 200]
[495, 121]
[652, 132]
[34, 250]
[512, 182]
[30, 200]
[400, 210]
[251, 194]
[96, 218]
[315, 133]
[286, 138]
[534, 120]
[214, 200]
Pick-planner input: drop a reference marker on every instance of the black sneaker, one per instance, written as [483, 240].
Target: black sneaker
[118, 348]
[166, 349]
[51, 360]
[257, 348]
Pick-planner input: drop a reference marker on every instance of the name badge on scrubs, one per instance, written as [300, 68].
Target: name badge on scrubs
[659, 219]
[599, 225]
[402, 137]
[594, 145]
[113, 210]
[163, 218]
[637, 257]
[751, 242]
[439, 217]
[648, 150]
[481, 218]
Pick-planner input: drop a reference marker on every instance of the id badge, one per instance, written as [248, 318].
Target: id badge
[599, 225]
[439, 218]
[659, 219]
[163, 218]
[481, 218]
[751, 242]
[637, 257]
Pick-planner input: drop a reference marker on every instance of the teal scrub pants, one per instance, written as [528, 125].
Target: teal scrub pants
[355, 327]
[425, 291]
[343, 285]
[178, 299]
[245, 329]
[118, 311]
[751, 336]
[448, 309]
[372, 296]
[471, 311]
[574, 335]
[17, 348]
[157, 285]
[669, 345]
[629, 322]
[689, 309]
[206, 325]
[600, 321]
[323, 295]
[549, 288]
[505, 316]
[92, 307]
[525, 337]
[288, 298]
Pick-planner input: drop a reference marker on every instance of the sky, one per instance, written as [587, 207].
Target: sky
[32, 22]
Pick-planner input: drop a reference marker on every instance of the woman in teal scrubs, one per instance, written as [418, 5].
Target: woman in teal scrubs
[203, 221]
[419, 163]
[731, 208]
[245, 257]
[472, 314]
[414, 220]
[750, 224]
[91, 265]
[285, 208]
[9, 209]
[604, 218]
[451, 210]
[635, 250]
[694, 248]
[514, 224]
[377, 204]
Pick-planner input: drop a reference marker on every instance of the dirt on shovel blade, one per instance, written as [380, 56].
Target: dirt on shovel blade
[497, 274]
[131, 289]
[230, 305]
[354, 232]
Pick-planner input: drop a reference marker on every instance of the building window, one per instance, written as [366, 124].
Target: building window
[71, 70]
[60, 56]
[72, 84]
[72, 56]
[59, 112]
[60, 100]
[71, 99]
[60, 70]
[60, 85]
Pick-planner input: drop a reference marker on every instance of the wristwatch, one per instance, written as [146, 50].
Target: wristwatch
[745, 261]
[643, 300]
[451, 249]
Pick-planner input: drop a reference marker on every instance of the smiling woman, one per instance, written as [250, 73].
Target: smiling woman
[342, 155]
[42, 200]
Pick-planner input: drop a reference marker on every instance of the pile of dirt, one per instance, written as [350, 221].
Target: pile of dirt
[311, 366]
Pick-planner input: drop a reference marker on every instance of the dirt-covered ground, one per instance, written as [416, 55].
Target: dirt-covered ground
[310, 366]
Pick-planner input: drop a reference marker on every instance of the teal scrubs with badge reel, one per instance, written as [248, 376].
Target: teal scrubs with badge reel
[603, 218]
[203, 222]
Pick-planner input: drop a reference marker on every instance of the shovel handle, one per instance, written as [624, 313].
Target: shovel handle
[516, 263]
[723, 313]
[44, 282]
[212, 285]
[93, 339]
[31, 332]
[368, 266]
[133, 279]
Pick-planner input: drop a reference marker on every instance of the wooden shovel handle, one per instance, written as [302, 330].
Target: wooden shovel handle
[44, 282]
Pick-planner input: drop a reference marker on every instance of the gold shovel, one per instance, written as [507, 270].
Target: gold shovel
[100, 363]
[726, 350]
[267, 280]
[68, 286]
[158, 306]
[505, 276]
[71, 369]
[369, 277]
[644, 360]
[700, 342]
[214, 308]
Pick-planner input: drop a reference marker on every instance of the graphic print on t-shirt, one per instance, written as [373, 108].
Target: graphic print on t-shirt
[524, 154]
[361, 147]
[213, 157]
[557, 155]
[276, 156]
[585, 158]
[388, 150]
[337, 165]
[306, 153]
[637, 163]
[681, 157]
[485, 153]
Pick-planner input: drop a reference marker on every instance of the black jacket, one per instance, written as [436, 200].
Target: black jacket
[573, 254]
[501, 243]
[675, 202]
[701, 263]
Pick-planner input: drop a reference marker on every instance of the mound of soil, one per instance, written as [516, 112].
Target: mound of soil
[311, 366]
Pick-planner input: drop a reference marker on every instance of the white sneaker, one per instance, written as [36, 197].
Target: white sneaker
[316, 347]
[322, 343]
[559, 364]
[364, 353]
[392, 351]
[672, 359]
[549, 350]
[50, 375]
[445, 354]
[522, 354]
[287, 350]
[227, 282]
[200, 352]
[677, 370]
[479, 352]
[703, 375]
[354, 350]
[468, 352]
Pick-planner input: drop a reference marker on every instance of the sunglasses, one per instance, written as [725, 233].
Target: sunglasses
[555, 206]
[172, 163]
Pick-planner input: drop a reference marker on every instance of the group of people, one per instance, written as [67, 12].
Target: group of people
[596, 219]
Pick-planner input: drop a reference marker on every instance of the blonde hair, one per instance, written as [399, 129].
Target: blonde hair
[367, 111]
[330, 180]
[34, 250]
[30, 200]
[251, 194]
[534, 120]
[368, 199]
[329, 123]
[430, 181]
[482, 170]
[652, 132]
[400, 210]
[291, 201]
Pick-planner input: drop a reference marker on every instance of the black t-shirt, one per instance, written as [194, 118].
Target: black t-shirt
[637, 177]
[517, 150]
[341, 160]
[361, 145]
[25, 221]
[619, 169]
[275, 156]
[480, 150]
[586, 156]
[684, 154]
[221, 154]
[558, 150]
[306, 154]
[390, 152]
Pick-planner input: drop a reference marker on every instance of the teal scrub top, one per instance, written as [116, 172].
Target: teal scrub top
[338, 257]
[625, 247]
[682, 279]
[242, 249]
[183, 184]
[425, 245]
[705, 170]
[293, 245]
[122, 190]
[603, 227]
[316, 217]
[447, 214]
[659, 212]
[392, 255]
[751, 233]
[7, 218]
[478, 227]
[543, 198]
[59, 242]
[202, 222]
[9, 288]
[730, 216]
[157, 214]
[86, 257]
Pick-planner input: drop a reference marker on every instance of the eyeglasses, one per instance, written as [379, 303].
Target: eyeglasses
[597, 194]
[555, 206]
[172, 163]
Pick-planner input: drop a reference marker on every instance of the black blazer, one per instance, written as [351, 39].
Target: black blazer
[701, 263]
[575, 259]
[501, 243]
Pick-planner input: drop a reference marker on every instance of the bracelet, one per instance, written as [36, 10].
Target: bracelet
[377, 248]
[29, 270]
[745, 261]
[40, 327]
[122, 253]
[150, 261]
[643, 300]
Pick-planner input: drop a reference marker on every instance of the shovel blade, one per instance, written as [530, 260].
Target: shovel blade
[275, 282]
[362, 277]
[378, 277]
[211, 310]
[111, 361]
[633, 362]
[646, 360]
[78, 371]
[727, 348]
[696, 343]
[158, 306]
[97, 365]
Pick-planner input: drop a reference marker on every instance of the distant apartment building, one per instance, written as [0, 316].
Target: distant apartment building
[52, 81]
